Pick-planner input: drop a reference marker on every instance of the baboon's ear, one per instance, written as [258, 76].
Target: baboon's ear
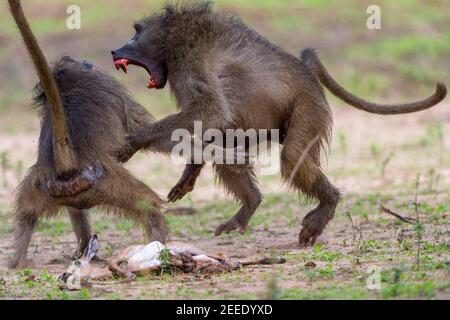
[66, 58]
[92, 248]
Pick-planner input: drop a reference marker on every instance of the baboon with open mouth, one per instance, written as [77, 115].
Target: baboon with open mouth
[227, 76]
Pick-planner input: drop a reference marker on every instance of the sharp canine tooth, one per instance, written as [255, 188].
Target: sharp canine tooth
[121, 64]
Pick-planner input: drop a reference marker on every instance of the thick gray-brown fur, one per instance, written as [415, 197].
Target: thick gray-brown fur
[226, 75]
[100, 115]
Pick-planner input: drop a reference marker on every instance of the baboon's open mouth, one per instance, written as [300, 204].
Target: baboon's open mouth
[122, 63]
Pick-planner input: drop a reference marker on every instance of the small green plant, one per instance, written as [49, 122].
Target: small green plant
[164, 257]
[83, 294]
[433, 180]
[124, 225]
[434, 134]
[418, 227]
[408, 290]
[108, 250]
[19, 170]
[327, 271]
[343, 144]
[405, 245]
[357, 233]
[310, 274]
[24, 273]
[382, 158]
[5, 164]
[274, 292]
[319, 254]
[54, 228]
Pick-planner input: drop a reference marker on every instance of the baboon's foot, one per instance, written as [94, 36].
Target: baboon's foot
[313, 225]
[230, 225]
[19, 263]
[182, 188]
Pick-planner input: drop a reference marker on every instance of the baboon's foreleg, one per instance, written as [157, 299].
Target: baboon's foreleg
[186, 182]
[81, 228]
[240, 181]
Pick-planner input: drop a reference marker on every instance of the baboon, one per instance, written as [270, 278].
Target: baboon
[226, 75]
[85, 118]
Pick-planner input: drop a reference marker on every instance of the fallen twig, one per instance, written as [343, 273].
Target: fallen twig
[180, 211]
[404, 219]
[264, 261]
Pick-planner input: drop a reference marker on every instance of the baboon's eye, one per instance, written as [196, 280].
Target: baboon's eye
[87, 65]
[138, 27]
[60, 73]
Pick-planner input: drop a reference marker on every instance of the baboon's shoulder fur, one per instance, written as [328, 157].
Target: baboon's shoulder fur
[99, 110]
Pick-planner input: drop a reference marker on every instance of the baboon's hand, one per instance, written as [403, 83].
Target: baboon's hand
[182, 187]
[230, 225]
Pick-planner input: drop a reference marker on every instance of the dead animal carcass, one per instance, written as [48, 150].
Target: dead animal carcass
[153, 257]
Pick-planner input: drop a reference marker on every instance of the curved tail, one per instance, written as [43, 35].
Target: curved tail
[312, 62]
[64, 156]
[79, 183]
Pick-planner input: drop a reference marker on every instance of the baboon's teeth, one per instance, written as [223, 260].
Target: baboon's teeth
[121, 64]
[151, 84]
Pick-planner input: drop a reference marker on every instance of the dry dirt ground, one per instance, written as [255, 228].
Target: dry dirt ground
[400, 162]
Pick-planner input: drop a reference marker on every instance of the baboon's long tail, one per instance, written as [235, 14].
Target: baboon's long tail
[65, 160]
[311, 60]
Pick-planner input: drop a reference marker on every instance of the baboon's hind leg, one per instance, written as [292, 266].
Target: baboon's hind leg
[25, 223]
[240, 181]
[316, 220]
[81, 228]
[30, 206]
[136, 201]
[301, 152]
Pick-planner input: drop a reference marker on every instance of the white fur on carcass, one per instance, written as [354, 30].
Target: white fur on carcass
[139, 259]
[147, 257]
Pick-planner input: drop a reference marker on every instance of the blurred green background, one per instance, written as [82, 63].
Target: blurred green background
[402, 60]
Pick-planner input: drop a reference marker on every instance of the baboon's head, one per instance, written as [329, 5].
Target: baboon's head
[66, 70]
[161, 37]
[67, 62]
[146, 49]
[80, 79]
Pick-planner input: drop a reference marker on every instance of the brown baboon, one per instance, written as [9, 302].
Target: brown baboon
[226, 75]
[85, 118]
